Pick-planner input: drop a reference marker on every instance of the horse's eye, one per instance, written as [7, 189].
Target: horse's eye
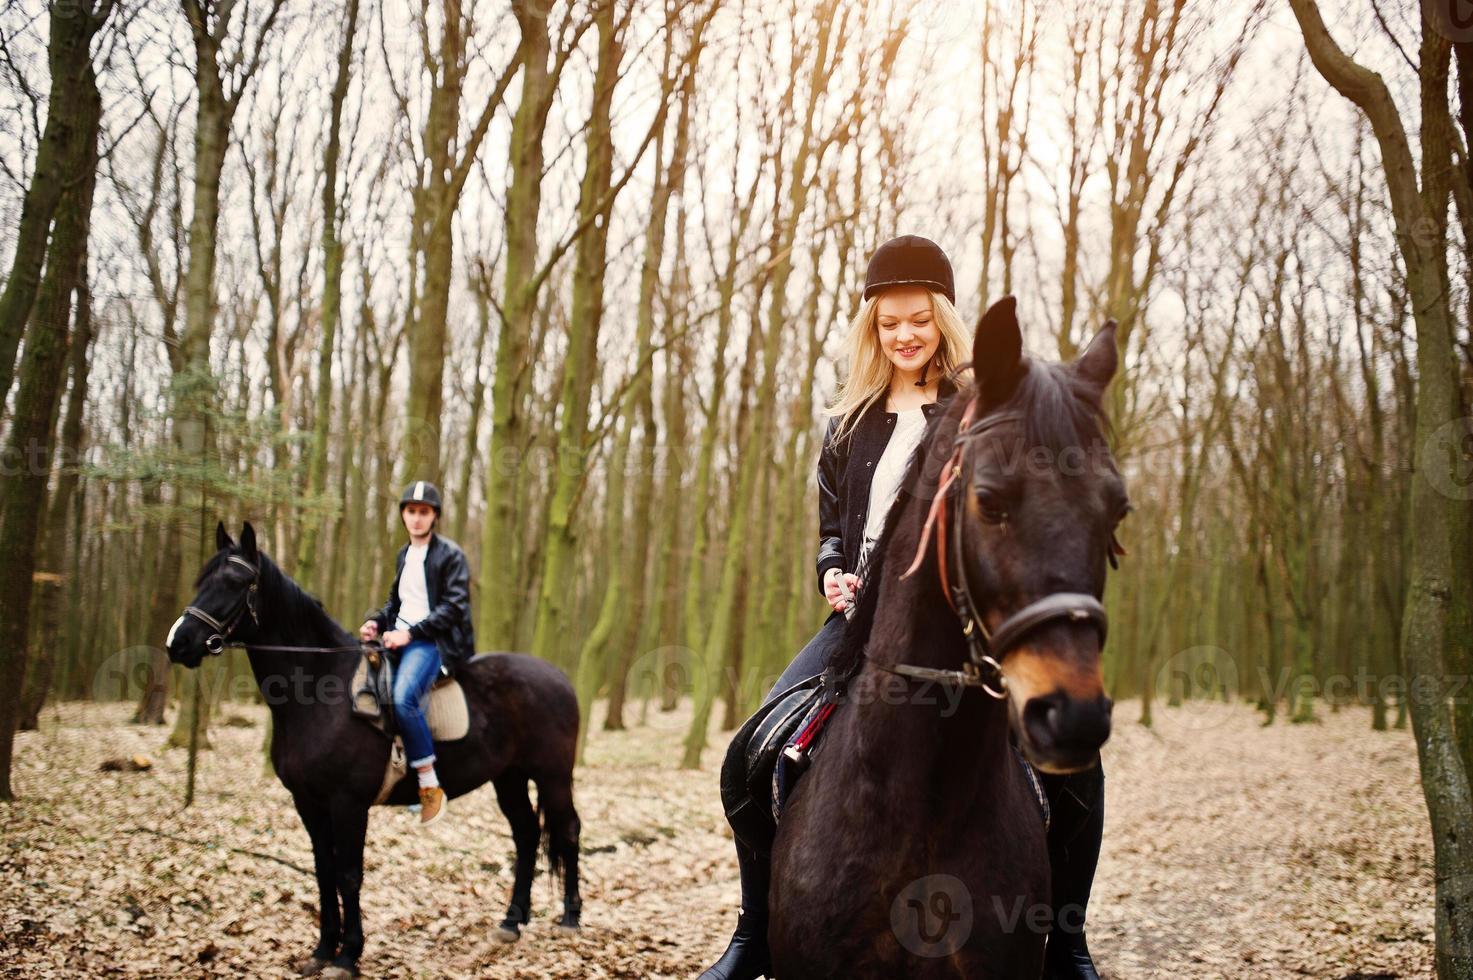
[991, 506]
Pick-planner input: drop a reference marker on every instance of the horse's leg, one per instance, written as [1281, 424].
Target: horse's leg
[349, 828]
[316, 819]
[511, 795]
[555, 797]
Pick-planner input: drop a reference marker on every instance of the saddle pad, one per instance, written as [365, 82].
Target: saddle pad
[446, 712]
[445, 708]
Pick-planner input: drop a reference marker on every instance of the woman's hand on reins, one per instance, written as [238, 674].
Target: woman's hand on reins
[839, 588]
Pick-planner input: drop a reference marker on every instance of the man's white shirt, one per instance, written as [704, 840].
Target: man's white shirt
[414, 595]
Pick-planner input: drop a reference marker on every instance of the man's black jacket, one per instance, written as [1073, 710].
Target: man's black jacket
[448, 582]
[845, 471]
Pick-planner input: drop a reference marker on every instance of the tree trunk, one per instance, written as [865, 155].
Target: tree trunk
[194, 385]
[332, 306]
[52, 577]
[43, 369]
[754, 455]
[69, 57]
[461, 510]
[195, 396]
[674, 558]
[551, 638]
[496, 617]
[624, 590]
[696, 618]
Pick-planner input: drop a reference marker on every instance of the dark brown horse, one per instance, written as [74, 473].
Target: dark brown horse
[523, 726]
[914, 846]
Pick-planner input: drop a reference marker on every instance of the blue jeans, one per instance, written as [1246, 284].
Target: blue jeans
[419, 665]
[813, 658]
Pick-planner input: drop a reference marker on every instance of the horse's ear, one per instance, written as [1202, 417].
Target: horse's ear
[248, 540]
[1098, 363]
[222, 537]
[997, 350]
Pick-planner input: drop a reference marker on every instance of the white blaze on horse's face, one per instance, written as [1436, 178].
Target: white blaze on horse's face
[169, 640]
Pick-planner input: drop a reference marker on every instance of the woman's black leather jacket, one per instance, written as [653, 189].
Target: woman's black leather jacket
[845, 471]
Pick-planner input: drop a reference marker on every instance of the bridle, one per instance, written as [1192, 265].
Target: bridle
[215, 642]
[985, 648]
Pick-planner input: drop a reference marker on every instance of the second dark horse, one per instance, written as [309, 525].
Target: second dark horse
[523, 726]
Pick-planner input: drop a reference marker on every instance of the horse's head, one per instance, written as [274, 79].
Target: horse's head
[224, 601]
[1036, 500]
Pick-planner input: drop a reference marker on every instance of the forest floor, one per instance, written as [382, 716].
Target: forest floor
[1231, 850]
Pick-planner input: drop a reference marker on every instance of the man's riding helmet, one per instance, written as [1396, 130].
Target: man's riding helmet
[421, 492]
[910, 261]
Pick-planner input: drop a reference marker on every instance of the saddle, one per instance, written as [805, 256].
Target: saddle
[372, 690]
[773, 749]
[767, 755]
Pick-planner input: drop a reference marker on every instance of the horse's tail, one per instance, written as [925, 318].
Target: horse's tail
[560, 830]
[549, 844]
[560, 825]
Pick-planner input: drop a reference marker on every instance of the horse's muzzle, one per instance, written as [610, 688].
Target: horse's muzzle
[183, 646]
[185, 655]
[1063, 734]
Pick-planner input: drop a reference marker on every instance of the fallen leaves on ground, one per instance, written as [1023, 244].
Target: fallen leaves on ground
[1231, 850]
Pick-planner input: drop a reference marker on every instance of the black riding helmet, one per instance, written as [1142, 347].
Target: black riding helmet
[910, 260]
[421, 492]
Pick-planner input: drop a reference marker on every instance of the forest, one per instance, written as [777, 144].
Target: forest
[587, 266]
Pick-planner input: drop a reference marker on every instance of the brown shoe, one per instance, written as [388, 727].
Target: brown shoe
[432, 804]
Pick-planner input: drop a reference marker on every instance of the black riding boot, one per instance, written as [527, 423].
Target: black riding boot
[1077, 821]
[746, 955]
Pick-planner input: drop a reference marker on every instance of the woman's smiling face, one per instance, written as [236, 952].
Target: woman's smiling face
[908, 332]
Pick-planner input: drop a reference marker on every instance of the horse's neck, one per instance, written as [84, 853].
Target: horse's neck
[292, 618]
[941, 739]
[289, 618]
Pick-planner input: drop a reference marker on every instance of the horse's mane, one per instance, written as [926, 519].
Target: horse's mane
[300, 611]
[1060, 412]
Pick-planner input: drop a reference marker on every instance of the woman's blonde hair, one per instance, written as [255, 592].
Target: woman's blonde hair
[870, 370]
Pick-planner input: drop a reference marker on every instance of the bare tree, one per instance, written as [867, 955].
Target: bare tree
[222, 73]
[1436, 639]
[332, 293]
[76, 105]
